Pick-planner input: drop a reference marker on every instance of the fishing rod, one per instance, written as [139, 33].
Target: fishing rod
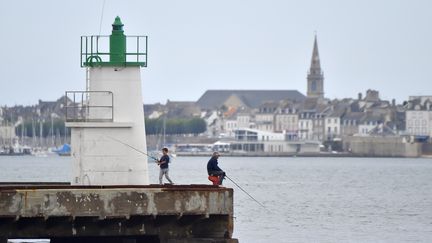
[139, 151]
[246, 193]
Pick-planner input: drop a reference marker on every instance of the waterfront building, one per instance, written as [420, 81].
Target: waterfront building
[315, 112]
[245, 119]
[332, 124]
[231, 124]
[305, 125]
[264, 118]
[368, 123]
[213, 121]
[350, 123]
[286, 119]
[321, 112]
[419, 116]
[258, 142]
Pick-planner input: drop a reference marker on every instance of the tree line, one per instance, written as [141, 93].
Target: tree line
[153, 126]
[175, 126]
[46, 128]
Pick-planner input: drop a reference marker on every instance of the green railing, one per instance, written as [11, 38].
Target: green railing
[95, 51]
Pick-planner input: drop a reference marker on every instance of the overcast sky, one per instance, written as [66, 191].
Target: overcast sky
[196, 45]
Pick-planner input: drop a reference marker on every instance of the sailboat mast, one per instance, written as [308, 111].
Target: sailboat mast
[33, 134]
[164, 128]
[40, 133]
[52, 132]
[22, 133]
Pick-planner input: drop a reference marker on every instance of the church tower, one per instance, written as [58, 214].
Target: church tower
[315, 77]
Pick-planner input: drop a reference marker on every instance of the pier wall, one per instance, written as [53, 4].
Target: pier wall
[173, 214]
[381, 147]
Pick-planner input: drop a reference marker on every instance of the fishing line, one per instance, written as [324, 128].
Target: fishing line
[247, 193]
[102, 13]
[139, 151]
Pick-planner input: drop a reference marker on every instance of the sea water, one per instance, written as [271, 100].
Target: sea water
[305, 199]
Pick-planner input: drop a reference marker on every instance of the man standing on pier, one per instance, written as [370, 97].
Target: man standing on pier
[213, 168]
[163, 164]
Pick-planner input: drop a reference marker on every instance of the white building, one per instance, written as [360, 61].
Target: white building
[419, 118]
[419, 122]
[286, 122]
[256, 141]
[231, 124]
[366, 127]
[305, 129]
[332, 127]
[264, 121]
[244, 120]
[286, 118]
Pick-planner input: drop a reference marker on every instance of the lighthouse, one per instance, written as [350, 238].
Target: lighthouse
[107, 119]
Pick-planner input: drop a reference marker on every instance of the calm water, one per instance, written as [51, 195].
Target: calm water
[308, 199]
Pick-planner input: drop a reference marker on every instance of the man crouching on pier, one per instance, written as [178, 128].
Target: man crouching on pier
[213, 168]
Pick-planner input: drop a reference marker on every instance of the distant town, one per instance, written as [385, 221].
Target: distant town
[252, 123]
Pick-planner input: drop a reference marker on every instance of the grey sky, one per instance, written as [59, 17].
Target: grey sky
[195, 45]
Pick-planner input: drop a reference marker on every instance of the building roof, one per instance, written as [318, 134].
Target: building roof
[182, 109]
[369, 117]
[357, 116]
[213, 99]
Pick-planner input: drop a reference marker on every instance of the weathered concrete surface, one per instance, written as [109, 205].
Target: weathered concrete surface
[168, 213]
[382, 147]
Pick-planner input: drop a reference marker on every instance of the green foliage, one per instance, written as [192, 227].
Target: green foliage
[33, 128]
[175, 126]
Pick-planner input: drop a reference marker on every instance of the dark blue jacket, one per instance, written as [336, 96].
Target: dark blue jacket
[165, 158]
[212, 165]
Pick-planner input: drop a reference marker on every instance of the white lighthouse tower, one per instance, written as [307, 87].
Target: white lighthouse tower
[107, 120]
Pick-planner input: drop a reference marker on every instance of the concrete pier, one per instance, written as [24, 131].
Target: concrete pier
[130, 214]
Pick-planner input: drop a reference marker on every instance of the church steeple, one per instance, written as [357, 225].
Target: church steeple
[315, 63]
[315, 78]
